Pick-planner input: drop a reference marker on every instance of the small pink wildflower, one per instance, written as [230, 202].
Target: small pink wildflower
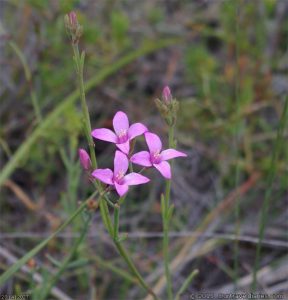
[118, 179]
[166, 95]
[123, 132]
[155, 157]
[84, 159]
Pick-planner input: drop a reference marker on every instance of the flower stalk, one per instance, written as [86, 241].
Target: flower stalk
[79, 64]
[168, 108]
[166, 214]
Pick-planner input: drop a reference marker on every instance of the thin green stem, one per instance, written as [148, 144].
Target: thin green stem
[116, 222]
[127, 257]
[267, 198]
[79, 63]
[166, 219]
[105, 216]
[110, 266]
[122, 251]
[186, 284]
[114, 233]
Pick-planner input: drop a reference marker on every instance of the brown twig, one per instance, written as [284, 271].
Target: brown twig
[29, 203]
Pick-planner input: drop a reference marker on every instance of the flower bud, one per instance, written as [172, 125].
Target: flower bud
[73, 19]
[73, 27]
[84, 159]
[166, 95]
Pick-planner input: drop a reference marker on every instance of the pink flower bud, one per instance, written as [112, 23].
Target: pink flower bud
[84, 159]
[73, 19]
[166, 95]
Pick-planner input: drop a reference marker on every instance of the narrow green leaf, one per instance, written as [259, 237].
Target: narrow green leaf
[116, 222]
[278, 145]
[170, 211]
[186, 283]
[163, 207]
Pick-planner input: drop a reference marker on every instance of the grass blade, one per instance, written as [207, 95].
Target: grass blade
[267, 198]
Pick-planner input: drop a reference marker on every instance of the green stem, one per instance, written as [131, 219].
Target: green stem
[122, 251]
[114, 233]
[79, 63]
[116, 222]
[267, 198]
[127, 257]
[166, 219]
[105, 216]
[186, 284]
[22, 261]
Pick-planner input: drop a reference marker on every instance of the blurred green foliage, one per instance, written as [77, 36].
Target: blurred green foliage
[223, 77]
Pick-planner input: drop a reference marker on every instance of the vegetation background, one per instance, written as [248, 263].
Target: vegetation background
[226, 62]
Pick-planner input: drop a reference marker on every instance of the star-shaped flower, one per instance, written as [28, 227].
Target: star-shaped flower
[155, 157]
[123, 132]
[118, 179]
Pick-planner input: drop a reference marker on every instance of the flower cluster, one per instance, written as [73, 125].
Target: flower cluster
[122, 136]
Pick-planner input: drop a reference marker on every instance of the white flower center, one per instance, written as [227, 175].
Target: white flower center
[156, 157]
[119, 177]
[122, 136]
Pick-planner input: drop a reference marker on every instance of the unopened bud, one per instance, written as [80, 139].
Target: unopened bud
[73, 19]
[73, 27]
[166, 95]
[84, 159]
[167, 106]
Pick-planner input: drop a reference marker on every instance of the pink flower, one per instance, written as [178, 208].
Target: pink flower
[155, 157]
[123, 132]
[84, 159]
[118, 178]
[166, 95]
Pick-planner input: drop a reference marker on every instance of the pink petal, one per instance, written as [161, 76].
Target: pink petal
[141, 158]
[104, 134]
[124, 147]
[153, 142]
[120, 163]
[166, 95]
[171, 153]
[120, 122]
[84, 159]
[135, 179]
[164, 168]
[136, 129]
[104, 175]
[121, 189]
